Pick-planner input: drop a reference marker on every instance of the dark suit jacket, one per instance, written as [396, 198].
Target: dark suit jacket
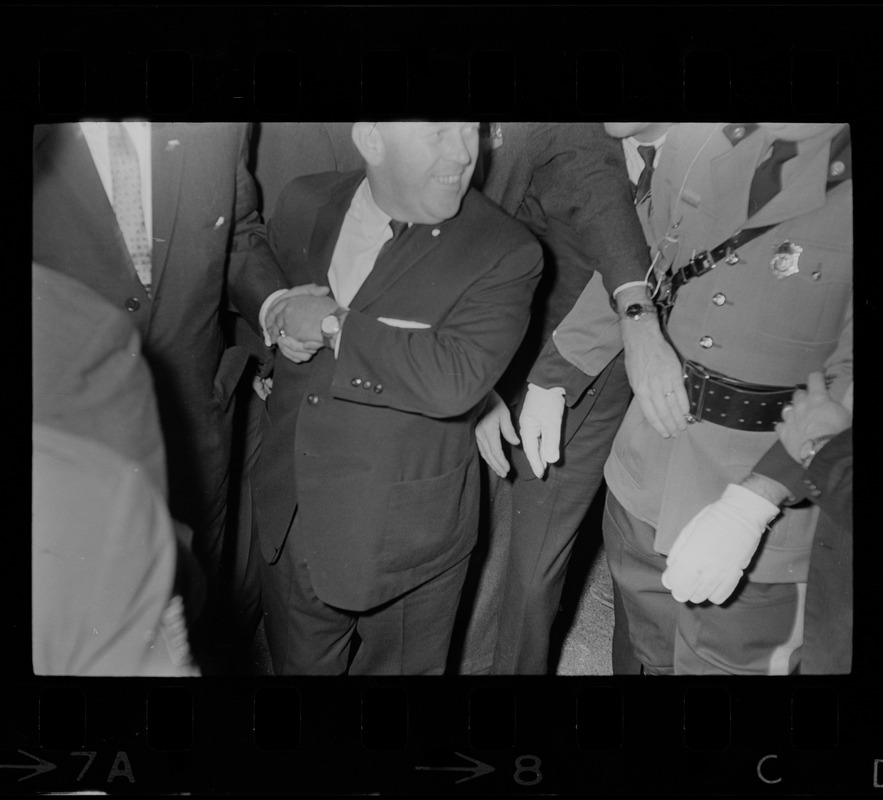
[209, 248]
[376, 448]
[568, 183]
[827, 634]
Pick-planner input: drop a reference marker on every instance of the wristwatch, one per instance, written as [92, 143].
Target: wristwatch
[635, 311]
[331, 324]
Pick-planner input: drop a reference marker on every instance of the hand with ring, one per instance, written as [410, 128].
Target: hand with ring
[810, 414]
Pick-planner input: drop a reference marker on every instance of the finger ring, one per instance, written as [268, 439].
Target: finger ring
[669, 394]
[786, 408]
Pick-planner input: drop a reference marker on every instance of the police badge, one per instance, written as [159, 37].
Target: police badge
[784, 262]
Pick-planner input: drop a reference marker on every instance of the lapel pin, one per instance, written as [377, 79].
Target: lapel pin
[785, 260]
[219, 222]
[435, 231]
[172, 144]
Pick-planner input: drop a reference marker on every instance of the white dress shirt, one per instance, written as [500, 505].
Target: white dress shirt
[633, 161]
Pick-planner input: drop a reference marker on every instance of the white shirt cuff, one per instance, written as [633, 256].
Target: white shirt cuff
[263, 314]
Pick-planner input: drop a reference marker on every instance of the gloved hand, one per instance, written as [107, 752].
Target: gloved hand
[713, 549]
[540, 425]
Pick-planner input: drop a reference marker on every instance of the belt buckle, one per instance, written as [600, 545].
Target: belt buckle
[691, 372]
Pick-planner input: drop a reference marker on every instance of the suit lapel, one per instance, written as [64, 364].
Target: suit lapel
[731, 176]
[326, 230]
[412, 246]
[168, 148]
[804, 194]
[73, 164]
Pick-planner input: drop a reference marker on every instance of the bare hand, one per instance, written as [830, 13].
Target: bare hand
[274, 321]
[262, 386]
[496, 423]
[296, 351]
[301, 315]
[656, 376]
[811, 413]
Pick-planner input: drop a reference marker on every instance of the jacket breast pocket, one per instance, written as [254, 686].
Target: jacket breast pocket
[423, 519]
[809, 305]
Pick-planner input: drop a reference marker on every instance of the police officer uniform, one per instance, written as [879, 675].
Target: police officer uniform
[772, 303]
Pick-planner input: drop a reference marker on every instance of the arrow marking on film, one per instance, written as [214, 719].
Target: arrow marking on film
[41, 765]
[477, 770]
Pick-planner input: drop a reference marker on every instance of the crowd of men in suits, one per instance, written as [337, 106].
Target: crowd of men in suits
[298, 423]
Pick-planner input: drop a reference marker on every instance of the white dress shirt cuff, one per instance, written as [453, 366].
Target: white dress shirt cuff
[262, 316]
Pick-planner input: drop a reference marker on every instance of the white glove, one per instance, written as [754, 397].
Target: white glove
[713, 549]
[540, 425]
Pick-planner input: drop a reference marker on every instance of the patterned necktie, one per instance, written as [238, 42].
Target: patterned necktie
[642, 188]
[397, 229]
[126, 183]
[767, 181]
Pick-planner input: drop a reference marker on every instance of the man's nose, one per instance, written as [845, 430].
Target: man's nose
[457, 150]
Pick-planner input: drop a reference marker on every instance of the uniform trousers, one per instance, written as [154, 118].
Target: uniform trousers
[409, 635]
[758, 631]
[546, 516]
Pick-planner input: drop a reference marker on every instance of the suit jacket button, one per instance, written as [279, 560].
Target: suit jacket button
[378, 388]
[366, 384]
[356, 382]
[133, 304]
[312, 399]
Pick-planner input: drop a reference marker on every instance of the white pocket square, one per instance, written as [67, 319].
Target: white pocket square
[404, 323]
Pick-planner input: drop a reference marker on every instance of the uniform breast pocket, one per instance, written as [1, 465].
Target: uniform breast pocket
[808, 305]
[422, 519]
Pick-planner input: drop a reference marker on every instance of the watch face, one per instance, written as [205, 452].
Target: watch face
[330, 325]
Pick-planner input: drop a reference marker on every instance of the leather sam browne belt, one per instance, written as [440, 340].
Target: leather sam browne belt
[734, 404]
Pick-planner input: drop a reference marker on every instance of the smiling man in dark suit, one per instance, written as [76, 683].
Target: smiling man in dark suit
[366, 489]
[160, 219]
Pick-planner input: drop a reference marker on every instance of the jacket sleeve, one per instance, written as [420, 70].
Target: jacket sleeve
[580, 179]
[443, 372]
[253, 273]
[827, 481]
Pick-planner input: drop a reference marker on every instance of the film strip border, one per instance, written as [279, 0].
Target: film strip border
[407, 737]
[482, 736]
[227, 62]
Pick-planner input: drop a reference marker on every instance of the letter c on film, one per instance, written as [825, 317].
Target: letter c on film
[760, 770]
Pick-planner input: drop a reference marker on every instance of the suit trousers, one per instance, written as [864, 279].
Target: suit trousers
[546, 516]
[757, 632]
[408, 635]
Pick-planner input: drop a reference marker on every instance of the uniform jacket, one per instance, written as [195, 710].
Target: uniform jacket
[762, 329]
[568, 183]
[209, 249]
[375, 448]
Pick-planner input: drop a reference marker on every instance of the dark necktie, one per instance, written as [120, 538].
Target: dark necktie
[126, 184]
[767, 181]
[642, 188]
[397, 229]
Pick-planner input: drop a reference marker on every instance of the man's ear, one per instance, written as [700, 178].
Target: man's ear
[369, 142]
